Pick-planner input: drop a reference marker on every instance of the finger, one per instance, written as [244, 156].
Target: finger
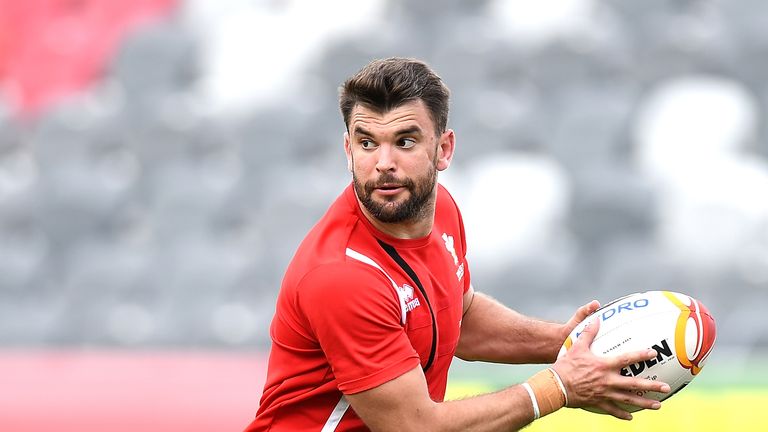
[612, 409]
[635, 399]
[640, 385]
[589, 333]
[632, 357]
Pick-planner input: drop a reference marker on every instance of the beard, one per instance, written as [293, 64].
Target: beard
[415, 207]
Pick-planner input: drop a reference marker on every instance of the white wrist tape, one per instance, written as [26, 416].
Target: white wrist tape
[560, 383]
[536, 413]
[547, 392]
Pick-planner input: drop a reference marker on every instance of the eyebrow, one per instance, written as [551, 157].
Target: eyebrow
[413, 130]
[359, 130]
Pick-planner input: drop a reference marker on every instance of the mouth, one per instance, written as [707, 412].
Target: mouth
[389, 188]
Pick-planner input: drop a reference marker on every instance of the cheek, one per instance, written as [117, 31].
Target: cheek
[423, 165]
[362, 163]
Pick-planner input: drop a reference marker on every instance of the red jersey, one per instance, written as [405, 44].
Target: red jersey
[349, 317]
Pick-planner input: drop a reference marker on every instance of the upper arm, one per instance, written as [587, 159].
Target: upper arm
[493, 332]
[401, 404]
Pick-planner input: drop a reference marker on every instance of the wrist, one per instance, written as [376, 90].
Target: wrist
[563, 333]
[558, 335]
[547, 392]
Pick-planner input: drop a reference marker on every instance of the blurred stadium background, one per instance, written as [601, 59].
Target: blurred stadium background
[160, 160]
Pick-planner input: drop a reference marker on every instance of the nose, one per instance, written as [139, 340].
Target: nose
[386, 159]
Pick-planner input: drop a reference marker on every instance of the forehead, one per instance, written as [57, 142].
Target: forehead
[408, 115]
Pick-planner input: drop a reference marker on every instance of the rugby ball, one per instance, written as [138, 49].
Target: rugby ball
[677, 326]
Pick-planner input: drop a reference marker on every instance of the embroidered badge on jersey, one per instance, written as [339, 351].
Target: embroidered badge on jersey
[449, 245]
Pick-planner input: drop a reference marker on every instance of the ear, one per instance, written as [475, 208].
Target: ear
[348, 151]
[445, 149]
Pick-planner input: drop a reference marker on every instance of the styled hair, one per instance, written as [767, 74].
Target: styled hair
[386, 84]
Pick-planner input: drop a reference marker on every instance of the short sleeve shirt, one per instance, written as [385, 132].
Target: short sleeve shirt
[349, 317]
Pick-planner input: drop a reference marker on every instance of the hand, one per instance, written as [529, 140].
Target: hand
[595, 381]
[581, 314]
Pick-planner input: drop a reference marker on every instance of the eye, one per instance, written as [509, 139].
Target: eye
[407, 143]
[367, 144]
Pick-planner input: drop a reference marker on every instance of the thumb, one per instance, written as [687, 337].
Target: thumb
[583, 313]
[588, 309]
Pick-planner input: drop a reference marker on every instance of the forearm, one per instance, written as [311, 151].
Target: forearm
[402, 405]
[493, 332]
[506, 410]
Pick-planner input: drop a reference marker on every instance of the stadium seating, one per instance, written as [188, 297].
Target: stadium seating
[138, 214]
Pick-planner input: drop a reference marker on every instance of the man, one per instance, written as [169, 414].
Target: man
[378, 299]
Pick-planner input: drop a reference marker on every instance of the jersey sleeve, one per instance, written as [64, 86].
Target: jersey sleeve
[355, 315]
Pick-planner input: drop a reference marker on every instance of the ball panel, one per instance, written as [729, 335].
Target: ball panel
[692, 340]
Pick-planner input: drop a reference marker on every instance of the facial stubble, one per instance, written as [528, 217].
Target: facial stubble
[415, 207]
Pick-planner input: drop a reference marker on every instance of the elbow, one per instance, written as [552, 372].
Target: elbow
[466, 356]
[471, 349]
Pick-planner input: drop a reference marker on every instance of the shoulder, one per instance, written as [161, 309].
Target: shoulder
[327, 240]
[339, 276]
[346, 284]
[446, 208]
[445, 200]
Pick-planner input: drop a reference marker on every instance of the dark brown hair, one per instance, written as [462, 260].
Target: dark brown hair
[385, 84]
